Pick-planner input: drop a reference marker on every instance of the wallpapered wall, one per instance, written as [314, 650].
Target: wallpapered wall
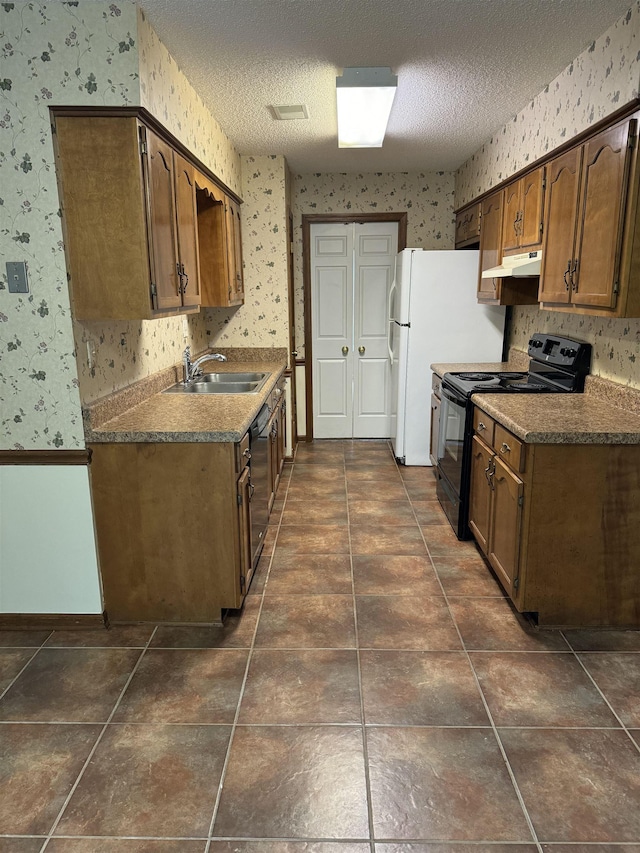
[52, 53]
[599, 81]
[427, 197]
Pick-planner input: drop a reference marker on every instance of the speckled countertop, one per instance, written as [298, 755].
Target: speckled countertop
[607, 413]
[561, 418]
[185, 417]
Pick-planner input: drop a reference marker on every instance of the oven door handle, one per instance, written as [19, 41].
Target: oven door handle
[452, 397]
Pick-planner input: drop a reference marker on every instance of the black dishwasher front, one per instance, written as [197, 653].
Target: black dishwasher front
[260, 492]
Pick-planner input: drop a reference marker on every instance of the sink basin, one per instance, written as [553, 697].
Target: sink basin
[222, 383]
[231, 377]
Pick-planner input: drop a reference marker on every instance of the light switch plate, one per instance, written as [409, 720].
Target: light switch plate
[17, 277]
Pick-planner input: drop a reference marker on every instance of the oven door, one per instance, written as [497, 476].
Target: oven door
[452, 475]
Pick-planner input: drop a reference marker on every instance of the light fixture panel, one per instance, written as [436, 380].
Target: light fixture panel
[364, 99]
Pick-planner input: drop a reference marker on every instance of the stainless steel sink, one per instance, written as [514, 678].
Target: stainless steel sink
[221, 383]
[231, 377]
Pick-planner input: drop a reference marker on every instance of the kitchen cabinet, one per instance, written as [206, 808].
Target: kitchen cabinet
[173, 528]
[436, 390]
[495, 506]
[129, 216]
[589, 250]
[497, 290]
[220, 241]
[523, 210]
[559, 525]
[468, 226]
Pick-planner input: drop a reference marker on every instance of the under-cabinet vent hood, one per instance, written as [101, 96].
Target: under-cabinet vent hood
[528, 263]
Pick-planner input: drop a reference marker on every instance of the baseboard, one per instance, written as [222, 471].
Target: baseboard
[52, 621]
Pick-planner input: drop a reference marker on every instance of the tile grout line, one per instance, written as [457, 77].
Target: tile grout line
[97, 743]
[363, 730]
[609, 705]
[484, 701]
[234, 725]
[36, 650]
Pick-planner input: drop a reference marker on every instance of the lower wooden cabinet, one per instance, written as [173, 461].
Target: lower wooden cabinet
[560, 526]
[173, 528]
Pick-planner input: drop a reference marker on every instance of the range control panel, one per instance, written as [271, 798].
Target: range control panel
[563, 352]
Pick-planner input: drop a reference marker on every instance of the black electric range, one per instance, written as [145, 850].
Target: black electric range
[557, 365]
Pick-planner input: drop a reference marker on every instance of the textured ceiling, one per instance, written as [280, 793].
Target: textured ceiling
[465, 68]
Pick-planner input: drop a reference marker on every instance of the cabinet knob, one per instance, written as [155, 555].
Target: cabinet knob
[505, 448]
[361, 350]
[481, 426]
[345, 350]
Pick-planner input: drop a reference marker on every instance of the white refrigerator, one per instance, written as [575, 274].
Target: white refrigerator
[434, 316]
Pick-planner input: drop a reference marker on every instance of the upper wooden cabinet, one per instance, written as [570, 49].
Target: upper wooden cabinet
[589, 250]
[490, 247]
[499, 290]
[523, 208]
[468, 226]
[220, 245]
[128, 203]
[130, 215]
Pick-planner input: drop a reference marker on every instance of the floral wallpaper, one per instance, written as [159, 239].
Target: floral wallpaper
[603, 78]
[262, 320]
[52, 53]
[427, 197]
[168, 95]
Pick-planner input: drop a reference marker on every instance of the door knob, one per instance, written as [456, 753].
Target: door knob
[361, 350]
[345, 350]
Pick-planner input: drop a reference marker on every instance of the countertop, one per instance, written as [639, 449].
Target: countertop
[475, 367]
[561, 418]
[190, 417]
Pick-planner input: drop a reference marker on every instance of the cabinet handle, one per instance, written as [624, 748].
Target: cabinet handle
[481, 426]
[566, 273]
[246, 453]
[505, 448]
[574, 283]
[489, 471]
[252, 489]
[186, 279]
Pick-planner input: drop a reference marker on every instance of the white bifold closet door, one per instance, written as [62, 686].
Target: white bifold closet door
[352, 268]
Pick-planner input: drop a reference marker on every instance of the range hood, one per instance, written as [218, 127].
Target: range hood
[528, 263]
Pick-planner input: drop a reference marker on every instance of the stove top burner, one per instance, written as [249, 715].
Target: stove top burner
[488, 377]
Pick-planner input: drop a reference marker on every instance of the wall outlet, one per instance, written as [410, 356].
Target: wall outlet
[91, 353]
[185, 327]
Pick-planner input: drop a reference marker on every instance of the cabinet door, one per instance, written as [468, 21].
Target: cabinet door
[490, 243]
[435, 429]
[512, 217]
[504, 537]
[234, 252]
[281, 435]
[186, 217]
[162, 223]
[605, 178]
[480, 492]
[244, 527]
[531, 210]
[560, 218]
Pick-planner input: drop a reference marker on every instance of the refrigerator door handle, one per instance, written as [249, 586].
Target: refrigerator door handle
[389, 346]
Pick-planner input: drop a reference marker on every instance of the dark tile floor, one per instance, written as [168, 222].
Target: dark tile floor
[377, 693]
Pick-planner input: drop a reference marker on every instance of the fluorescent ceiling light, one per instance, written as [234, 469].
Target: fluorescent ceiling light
[365, 96]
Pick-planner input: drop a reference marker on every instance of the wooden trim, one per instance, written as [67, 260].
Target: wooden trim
[53, 621]
[153, 124]
[45, 457]
[625, 111]
[309, 219]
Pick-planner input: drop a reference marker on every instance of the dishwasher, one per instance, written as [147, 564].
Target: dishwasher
[260, 491]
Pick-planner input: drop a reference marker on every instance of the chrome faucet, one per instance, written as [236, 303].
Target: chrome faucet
[191, 370]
